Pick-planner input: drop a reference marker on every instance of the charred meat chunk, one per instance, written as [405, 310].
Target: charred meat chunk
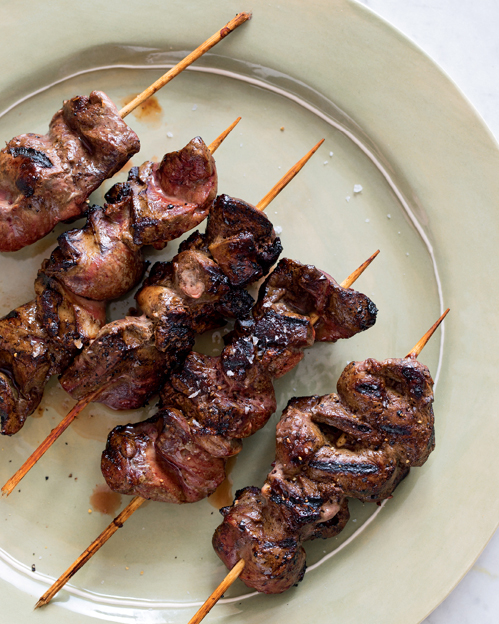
[165, 459]
[241, 240]
[360, 443]
[38, 340]
[122, 364]
[222, 398]
[173, 196]
[45, 179]
[100, 260]
[304, 290]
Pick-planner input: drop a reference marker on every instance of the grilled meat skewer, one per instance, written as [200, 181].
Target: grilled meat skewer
[217, 401]
[360, 443]
[45, 179]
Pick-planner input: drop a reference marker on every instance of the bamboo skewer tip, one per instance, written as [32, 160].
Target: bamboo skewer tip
[286, 179]
[221, 138]
[234, 23]
[419, 346]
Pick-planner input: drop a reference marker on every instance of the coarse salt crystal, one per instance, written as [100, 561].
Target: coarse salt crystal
[348, 197]
[194, 394]
[357, 188]
[330, 153]
[230, 374]
[388, 216]
[169, 135]
[195, 107]
[278, 229]
[367, 220]
[325, 162]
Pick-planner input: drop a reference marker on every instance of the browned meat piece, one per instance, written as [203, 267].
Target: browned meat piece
[26, 363]
[32, 348]
[255, 528]
[99, 261]
[302, 289]
[192, 282]
[279, 339]
[123, 362]
[174, 196]
[45, 179]
[241, 240]
[223, 398]
[69, 320]
[384, 418]
[165, 459]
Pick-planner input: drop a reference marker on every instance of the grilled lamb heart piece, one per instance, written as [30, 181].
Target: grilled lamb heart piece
[100, 260]
[122, 362]
[173, 196]
[45, 179]
[195, 282]
[304, 290]
[38, 340]
[165, 458]
[360, 443]
[240, 239]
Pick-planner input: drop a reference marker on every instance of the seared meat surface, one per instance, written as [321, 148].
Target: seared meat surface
[103, 260]
[173, 196]
[295, 288]
[231, 397]
[146, 459]
[220, 399]
[240, 239]
[359, 443]
[122, 362]
[45, 179]
[38, 340]
[195, 283]
[99, 261]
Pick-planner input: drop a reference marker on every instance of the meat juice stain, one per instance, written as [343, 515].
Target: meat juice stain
[223, 496]
[149, 112]
[104, 500]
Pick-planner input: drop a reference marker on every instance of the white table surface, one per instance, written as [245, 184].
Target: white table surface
[463, 38]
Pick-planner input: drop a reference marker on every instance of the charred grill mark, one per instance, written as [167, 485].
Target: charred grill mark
[395, 429]
[415, 379]
[341, 467]
[369, 389]
[39, 158]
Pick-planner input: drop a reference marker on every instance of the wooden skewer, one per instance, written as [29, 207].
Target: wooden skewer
[286, 179]
[220, 139]
[47, 443]
[94, 547]
[67, 420]
[116, 524]
[232, 575]
[353, 277]
[218, 593]
[418, 347]
[346, 283]
[188, 60]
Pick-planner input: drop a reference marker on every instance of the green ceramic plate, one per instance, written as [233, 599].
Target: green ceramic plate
[393, 124]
